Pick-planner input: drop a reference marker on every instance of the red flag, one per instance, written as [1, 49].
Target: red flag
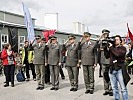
[129, 33]
[48, 33]
[51, 32]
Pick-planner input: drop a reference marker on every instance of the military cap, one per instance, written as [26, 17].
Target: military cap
[87, 34]
[37, 36]
[105, 31]
[43, 39]
[53, 37]
[71, 37]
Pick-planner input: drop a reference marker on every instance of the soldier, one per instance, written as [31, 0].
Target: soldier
[54, 61]
[47, 69]
[72, 59]
[39, 61]
[88, 60]
[105, 64]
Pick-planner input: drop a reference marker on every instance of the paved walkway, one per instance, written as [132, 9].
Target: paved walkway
[27, 90]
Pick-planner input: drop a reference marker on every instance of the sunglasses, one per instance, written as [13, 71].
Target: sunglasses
[37, 38]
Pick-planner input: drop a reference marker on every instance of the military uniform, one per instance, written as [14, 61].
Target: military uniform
[105, 67]
[72, 58]
[39, 61]
[54, 58]
[88, 59]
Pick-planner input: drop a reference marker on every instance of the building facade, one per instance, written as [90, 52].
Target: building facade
[13, 31]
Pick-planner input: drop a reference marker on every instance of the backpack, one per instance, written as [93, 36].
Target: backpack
[20, 76]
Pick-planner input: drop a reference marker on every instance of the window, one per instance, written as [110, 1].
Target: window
[21, 41]
[4, 40]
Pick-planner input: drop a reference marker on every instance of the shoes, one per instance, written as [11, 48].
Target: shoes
[28, 79]
[34, 79]
[52, 88]
[100, 76]
[87, 91]
[48, 83]
[6, 85]
[110, 93]
[75, 89]
[105, 93]
[41, 88]
[71, 89]
[12, 85]
[38, 88]
[63, 78]
[132, 83]
[91, 91]
[56, 89]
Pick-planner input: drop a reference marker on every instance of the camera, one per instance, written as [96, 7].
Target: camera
[108, 40]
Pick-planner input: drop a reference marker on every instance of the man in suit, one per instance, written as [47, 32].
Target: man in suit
[54, 61]
[88, 60]
[39, 61]
[105, 64]
[72, 64]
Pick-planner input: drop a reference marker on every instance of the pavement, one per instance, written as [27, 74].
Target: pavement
[27, 90]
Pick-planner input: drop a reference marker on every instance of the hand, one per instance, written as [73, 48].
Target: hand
[79, 61]
[110, 45]
[94, 66]
[31, 42]
[101, 49]
[9, 53]
[48, 42]
[78, 65]
[66, 41]
[129, 57]
[81, 39]
[46, 64]
[59, 64]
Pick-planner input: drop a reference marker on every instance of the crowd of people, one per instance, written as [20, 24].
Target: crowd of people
[46, 59]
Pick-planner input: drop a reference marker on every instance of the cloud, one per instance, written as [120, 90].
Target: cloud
[111, 14]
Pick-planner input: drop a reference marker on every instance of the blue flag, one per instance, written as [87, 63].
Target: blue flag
[28, 23]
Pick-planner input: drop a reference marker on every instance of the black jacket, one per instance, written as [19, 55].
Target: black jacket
[118, 53]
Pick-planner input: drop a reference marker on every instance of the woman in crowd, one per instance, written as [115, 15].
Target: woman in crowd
[8, 62]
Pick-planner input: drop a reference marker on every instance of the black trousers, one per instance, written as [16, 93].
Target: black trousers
[47, 74]
[28, 67]
[9, 73]
[130, 70]
[100, 69]
[32, 66]
[62, 73]
[0, 69]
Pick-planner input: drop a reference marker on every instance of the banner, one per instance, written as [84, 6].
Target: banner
[28, 23]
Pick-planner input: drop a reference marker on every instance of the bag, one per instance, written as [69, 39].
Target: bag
[20, 76]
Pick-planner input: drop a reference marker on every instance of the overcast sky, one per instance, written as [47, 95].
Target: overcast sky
[96, 14]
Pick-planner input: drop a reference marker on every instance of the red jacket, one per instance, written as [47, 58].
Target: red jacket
[4, 57]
